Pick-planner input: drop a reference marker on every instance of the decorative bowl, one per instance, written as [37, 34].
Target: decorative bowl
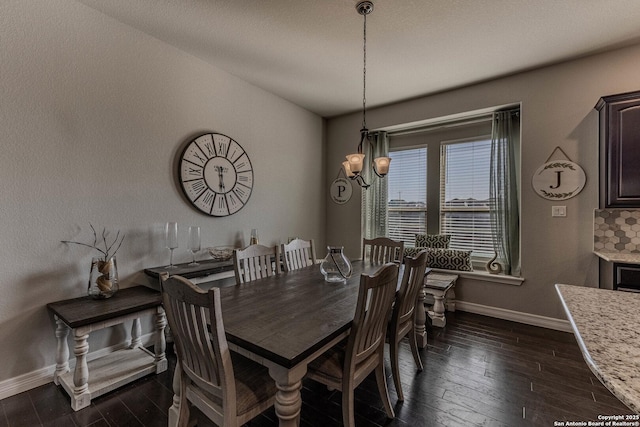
[221, 253]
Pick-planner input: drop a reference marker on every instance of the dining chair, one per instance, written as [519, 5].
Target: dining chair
[403, 316]
[256, 262]
[297, 254]
[346, 365]
[382, 249]
[226, 387]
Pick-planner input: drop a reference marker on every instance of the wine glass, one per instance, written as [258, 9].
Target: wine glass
[194, 243]
[171, 240]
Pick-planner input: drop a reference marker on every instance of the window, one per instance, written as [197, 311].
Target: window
[464, 195]
[407, 195]
[439, 183]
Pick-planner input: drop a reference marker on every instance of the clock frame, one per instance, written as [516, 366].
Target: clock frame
[215, 174]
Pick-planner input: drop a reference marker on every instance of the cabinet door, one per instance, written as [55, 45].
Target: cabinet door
[620, 132]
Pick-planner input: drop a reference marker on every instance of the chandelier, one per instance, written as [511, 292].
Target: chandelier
[354, 164]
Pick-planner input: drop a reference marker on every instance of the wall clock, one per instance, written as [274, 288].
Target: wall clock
[216, 174]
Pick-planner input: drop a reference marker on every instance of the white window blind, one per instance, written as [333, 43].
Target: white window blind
[407, 195]
[464, 195]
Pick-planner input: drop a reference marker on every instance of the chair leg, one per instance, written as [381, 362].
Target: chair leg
[413, 343]
[381, 379]
[348, 412]
[185, 413]
[395, 369]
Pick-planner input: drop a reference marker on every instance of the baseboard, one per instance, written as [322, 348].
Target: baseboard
[26, 382]
[515, 316]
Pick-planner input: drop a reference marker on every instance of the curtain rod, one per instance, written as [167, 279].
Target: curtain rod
[469, 120]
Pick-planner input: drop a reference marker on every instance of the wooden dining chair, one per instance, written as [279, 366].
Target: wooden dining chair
[403, 316]
[256, 262]
[382, 249]
[345, 367]
[297, 254]
[226, 387]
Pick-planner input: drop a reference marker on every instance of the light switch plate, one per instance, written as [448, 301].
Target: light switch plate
[558, 211]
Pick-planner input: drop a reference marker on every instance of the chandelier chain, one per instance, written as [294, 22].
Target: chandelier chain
[364, 75]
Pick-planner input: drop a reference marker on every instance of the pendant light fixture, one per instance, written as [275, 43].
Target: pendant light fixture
[354, 164]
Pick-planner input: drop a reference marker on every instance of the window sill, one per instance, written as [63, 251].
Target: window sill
[484, 276]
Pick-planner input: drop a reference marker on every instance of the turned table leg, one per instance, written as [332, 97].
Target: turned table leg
[81, 397]
[62, 351]
[288, 399]
[174, 409]
[136, 331]
[160, 344]
[421, 319]
[437, 315]
[450, 298]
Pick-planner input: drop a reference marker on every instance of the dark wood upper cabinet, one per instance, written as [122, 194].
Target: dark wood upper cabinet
[620, 149]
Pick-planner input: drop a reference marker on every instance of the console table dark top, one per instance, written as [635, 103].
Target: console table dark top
[204, 268]
[85, 310]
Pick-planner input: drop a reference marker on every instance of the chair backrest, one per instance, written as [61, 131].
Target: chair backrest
[369, 327]
[203, 353]
[256, 262]
[298, 254]
[412, 282]
[382, 249]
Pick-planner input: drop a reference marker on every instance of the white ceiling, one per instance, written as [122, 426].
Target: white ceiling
[310, 51]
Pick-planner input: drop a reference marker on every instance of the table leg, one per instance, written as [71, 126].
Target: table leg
[450, 298]
[421, 320]
[81, 397]
[136, 331]
[437, 315]
[160, 345]
[288, 400]
[174, 410]
[62, 351]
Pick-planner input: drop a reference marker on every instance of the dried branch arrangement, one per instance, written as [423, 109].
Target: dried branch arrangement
[108, 251]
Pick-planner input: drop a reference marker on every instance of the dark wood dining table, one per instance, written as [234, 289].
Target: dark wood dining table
[286, 321]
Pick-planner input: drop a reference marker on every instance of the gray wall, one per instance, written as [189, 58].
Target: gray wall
[557, 110]
[92, 116]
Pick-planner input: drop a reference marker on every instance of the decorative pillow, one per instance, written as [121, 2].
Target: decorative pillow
[440, 241]
[412, 252]
[450, 259]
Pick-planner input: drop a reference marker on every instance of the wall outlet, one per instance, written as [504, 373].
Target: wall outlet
[558, 211]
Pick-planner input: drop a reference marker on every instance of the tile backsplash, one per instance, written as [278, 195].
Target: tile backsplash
[617, 230]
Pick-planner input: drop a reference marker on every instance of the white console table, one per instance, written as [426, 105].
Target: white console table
[85, 315]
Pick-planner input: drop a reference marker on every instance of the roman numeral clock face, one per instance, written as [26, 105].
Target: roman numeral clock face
[216, 174]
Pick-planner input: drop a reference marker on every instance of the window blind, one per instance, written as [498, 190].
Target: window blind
[464, 195]
[407, 195]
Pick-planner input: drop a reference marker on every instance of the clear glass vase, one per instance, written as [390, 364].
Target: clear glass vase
[103, 279]
[336, 267]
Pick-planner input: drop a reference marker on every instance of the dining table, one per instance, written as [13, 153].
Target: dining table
[286, 321]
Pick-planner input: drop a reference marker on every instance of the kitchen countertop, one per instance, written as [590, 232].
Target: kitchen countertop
[606, 324]
[619, 257]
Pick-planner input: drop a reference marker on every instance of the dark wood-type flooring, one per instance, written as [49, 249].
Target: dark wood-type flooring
[479, 371]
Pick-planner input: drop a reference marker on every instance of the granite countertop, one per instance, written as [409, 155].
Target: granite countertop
[606, 324]
[624, 258]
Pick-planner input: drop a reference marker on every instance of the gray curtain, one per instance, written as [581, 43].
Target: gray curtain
[503, 191]
[374, 199]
